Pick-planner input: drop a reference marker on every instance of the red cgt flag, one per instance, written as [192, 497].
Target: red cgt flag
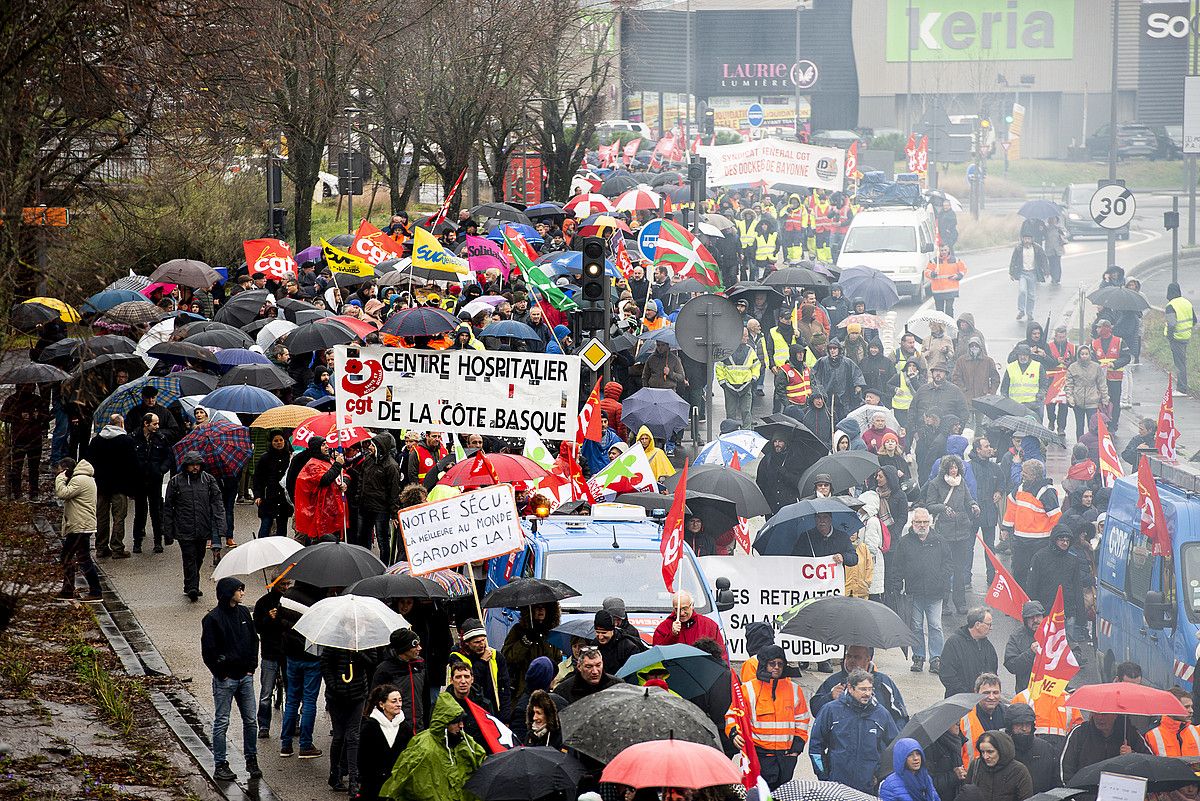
[1054, 664]
[1154, 523]
[852, 161]
[272, 257]
[589, 418]
[1056, 393]
[1005, 594]
[672, 535]
[482, 470]
[1110, 463]
[374, 245]
[748, 761]
[1167, 437]
[910, 151]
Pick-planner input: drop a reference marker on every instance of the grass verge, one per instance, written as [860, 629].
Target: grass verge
[988, 231]
[1155, 345]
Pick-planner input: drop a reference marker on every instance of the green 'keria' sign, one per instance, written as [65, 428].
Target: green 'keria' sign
[987, 30]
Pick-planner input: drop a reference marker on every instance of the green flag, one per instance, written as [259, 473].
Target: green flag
[534, 274]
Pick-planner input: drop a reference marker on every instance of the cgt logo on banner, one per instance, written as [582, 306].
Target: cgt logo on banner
[765, 588]
[373, 245]
[272, 257]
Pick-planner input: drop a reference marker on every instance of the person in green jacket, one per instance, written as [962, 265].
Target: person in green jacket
[438, 761]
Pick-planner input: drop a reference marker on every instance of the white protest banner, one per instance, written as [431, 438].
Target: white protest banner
[467, 528]
[458, 391]
[764, 588]
[771, 162]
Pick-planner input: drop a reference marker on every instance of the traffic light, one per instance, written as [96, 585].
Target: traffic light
[279, 223]
[710, 121]
[594, 276]
[1008, 118]
[274, 183]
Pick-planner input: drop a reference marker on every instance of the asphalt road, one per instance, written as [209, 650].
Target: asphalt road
[151, 584]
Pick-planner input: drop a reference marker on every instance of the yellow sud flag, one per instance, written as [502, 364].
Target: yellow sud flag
[340, 261]
[428, 253]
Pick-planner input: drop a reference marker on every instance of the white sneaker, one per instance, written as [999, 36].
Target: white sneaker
[1178, 394]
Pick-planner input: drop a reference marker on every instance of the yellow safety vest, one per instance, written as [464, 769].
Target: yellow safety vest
[902, 399]
[765, 247]
[738, 374]
[1185, 318]
[746, 231]
[1023, 384]
[779, 347]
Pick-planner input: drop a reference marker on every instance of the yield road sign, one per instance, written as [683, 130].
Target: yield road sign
[755, 115]
[1112, 206]
[595, 354]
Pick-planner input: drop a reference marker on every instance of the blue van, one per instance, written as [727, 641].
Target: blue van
[614, 551]
[1148, 607]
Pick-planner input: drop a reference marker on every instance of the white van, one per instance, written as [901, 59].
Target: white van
[896, 240]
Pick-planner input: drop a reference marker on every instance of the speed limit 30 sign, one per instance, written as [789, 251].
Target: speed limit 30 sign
[1112, 206]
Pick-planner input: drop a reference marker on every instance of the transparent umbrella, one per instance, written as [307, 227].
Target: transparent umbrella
[352, 622]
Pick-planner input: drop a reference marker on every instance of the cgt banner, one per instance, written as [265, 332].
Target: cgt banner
[764, 588]
[467, 528]
[458, 391]
[273, 257]
[773, 162]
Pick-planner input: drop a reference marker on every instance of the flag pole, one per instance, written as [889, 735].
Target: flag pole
[479, 611]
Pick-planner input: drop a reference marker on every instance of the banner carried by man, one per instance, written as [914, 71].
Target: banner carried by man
[774, 162]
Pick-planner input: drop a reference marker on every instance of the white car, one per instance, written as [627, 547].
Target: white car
[896, 240]
[606, 128]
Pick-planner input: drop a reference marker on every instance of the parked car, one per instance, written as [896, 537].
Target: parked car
[842, 139]
[606, 128]
[1077, 219]
[1133, 140]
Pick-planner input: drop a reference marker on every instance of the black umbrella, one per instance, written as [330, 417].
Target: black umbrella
[751, 291]
[719, 514]
[1039, 209]
[604, 724]
[931, 723]
[526, 773]
[398, 585]
[263, 376]
[578, 626]
[341, 240]
[344, 280]
[842, 620]
[723, 482]
[795, 276]
[1161, 773]
[292, 305]
[217, 338]
[193, 382]
[778, 537]
[500, 211]
[130, 362]
[528, 592]
[799, 437]
[312, 315]
[34, 373]
[687, 286]
[311, 337]
[185, 272]
[424, 321]
[182, 353]
[334, 564]
[666, 179]
[242, 308]
[617, 184]
[1119, 298]
[845, 469]
[26, 316]
[187, 328]
[1026, 427]
[998, 405]
[67, 350]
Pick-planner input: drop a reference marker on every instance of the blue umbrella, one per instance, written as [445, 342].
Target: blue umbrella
[126, 396]
[105, 300]
[241, 399]
[721, 452]
[528, 231]
[544, 210]
[1040, 209]
[871, 285]
[660, 410]
[570, 262]
[662, 335]
[512, 329]
[779, 536]
[229, 358]
[692, 671]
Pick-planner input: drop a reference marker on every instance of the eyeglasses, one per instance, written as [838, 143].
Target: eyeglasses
[587, 650]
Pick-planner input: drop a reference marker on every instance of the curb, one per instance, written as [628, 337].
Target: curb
[177, 707]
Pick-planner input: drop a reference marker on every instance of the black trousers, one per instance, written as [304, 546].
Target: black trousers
[31, 459]
[192, 552]
[148, 504]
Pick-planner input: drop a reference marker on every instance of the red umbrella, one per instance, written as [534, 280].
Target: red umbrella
[587, 205]
[671, 763]
[325, 425]
[1124, 698]
[360, 327]
[638, 199]
[504, 468]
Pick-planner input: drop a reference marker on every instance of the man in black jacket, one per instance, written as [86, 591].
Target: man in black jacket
[154, 461]
[615, 646]
[270, 637]
[114, 459]
[823, 540]
[968, 653]
[1058, 566]
[588, 678]
[229, 647]
[1036, 754]
[489, 665]
[919, 567]
[406, 670]
[1101, 737]
[1019, 653]
[193, 512]
[990, 489]
[345, 674]
[378, 495]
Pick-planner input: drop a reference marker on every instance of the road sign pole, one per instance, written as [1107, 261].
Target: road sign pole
[1175, 241]
[1112, 123]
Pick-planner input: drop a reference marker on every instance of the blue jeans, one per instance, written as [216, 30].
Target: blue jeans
[264, 526]
[377, 526]
[229, 490]
[62, 431]
[927, 611]
[1027, 296]
[268, 672]
[225, 691]
[303, 686]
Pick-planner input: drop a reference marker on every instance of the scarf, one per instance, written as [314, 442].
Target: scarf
[885, 509]
[539, 732]
[390, 728]
[952, 481]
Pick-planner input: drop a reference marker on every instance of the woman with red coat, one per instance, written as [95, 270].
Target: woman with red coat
[319, 497]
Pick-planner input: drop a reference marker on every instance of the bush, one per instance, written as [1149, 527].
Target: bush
[894, 142]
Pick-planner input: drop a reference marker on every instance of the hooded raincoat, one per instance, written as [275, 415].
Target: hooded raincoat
[904, 784]
[432, 766]
[659, 463]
